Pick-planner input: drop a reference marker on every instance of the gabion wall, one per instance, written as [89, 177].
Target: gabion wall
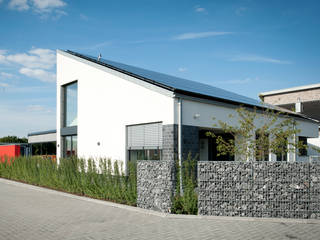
[155, 185]
[259, 189]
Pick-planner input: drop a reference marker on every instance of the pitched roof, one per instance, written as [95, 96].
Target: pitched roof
[180, 85]
[172, 83]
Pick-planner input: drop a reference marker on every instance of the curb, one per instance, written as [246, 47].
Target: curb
[155, 213]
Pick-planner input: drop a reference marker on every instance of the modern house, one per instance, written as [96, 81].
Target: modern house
[111, 110]
[302, 99]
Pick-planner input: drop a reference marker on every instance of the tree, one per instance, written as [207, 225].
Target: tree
[257, 133]
[13, 139]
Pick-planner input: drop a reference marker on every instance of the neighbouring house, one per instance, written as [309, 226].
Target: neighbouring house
[302, 99]
[112, 110]
[12, 150]
[43, 143]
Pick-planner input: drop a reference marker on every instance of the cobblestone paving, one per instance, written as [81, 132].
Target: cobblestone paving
[31, 213]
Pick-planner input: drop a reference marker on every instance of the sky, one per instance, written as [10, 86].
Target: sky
[243, 46]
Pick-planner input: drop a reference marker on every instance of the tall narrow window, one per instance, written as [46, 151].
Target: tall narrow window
[70, 146]
[71, 104]
[262, 146]
[303, 144]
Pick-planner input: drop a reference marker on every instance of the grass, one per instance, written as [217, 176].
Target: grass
[186, 202]
[73, 175]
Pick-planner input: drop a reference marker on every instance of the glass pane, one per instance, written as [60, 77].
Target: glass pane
[74, 145]
[136, 155]
[68, 146]
[71, 111]
[154, 154]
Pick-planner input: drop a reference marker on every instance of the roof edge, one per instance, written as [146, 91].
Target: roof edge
[289, 90]
[42, 132]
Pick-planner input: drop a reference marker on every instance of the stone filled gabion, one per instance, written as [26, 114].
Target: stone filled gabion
[155, 185]
[259, 189]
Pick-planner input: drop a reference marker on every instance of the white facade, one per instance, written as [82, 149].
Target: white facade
[108, 101]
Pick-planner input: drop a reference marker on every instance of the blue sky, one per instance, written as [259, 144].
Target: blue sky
[242, 46]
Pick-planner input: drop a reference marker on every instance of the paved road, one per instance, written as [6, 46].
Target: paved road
[28, 212]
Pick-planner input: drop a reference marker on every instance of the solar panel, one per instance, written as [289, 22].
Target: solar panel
[177, 83]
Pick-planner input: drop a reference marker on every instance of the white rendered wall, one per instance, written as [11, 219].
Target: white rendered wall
[206, 112]
[106, 104]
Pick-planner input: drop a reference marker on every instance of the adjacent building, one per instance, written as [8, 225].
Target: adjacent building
[112, 110]
[304, 100]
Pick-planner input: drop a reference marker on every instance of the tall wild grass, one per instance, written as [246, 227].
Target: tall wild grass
[186, 202]
[106, 181]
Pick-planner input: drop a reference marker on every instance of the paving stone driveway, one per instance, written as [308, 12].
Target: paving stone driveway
[28, 212]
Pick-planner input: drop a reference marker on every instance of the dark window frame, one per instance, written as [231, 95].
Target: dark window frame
[64, 107]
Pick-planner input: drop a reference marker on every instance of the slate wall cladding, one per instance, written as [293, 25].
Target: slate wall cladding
[190, 141]
[155, 185]
[169, 142]
[259, 189]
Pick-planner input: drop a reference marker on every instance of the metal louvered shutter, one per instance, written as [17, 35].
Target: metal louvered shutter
[144, 136]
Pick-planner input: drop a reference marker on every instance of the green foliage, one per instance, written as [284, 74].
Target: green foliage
[257, 133]
[186, 203]
[13, 139]
[76, 176]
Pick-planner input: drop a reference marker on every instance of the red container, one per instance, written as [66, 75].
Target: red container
[9, 151]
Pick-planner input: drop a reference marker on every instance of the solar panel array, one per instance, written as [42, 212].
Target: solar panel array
[175, 83]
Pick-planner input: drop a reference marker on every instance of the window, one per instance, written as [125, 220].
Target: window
[147, 154]
[282, 151]
[262, 146]
[70, 146]
[71, 104]
[144, 141]
[303, 143]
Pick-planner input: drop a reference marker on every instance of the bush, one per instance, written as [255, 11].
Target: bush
[186, 203]
[77, 176]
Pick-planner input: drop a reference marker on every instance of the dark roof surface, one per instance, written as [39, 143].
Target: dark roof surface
[182, 86]
[42, 132]
[173, 83]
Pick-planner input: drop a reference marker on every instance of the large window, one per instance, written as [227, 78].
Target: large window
[71, 104]
[144, 141]
[70, 146]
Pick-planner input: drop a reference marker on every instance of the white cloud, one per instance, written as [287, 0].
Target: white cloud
[182, 69]
[2, 51]
[256, 58]
[98, 45]
[2, 58]
[6, 75]
[241, 10]
[197, 35]
[42, 7]
[37, 108]
[4, 85]
[199, 9]
[47, 5]
[35, 58]
[20, 5]
[39, 74]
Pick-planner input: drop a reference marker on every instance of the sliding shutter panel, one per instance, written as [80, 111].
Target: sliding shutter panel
[145, 136]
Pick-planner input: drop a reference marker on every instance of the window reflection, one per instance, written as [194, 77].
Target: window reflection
[71, 105]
